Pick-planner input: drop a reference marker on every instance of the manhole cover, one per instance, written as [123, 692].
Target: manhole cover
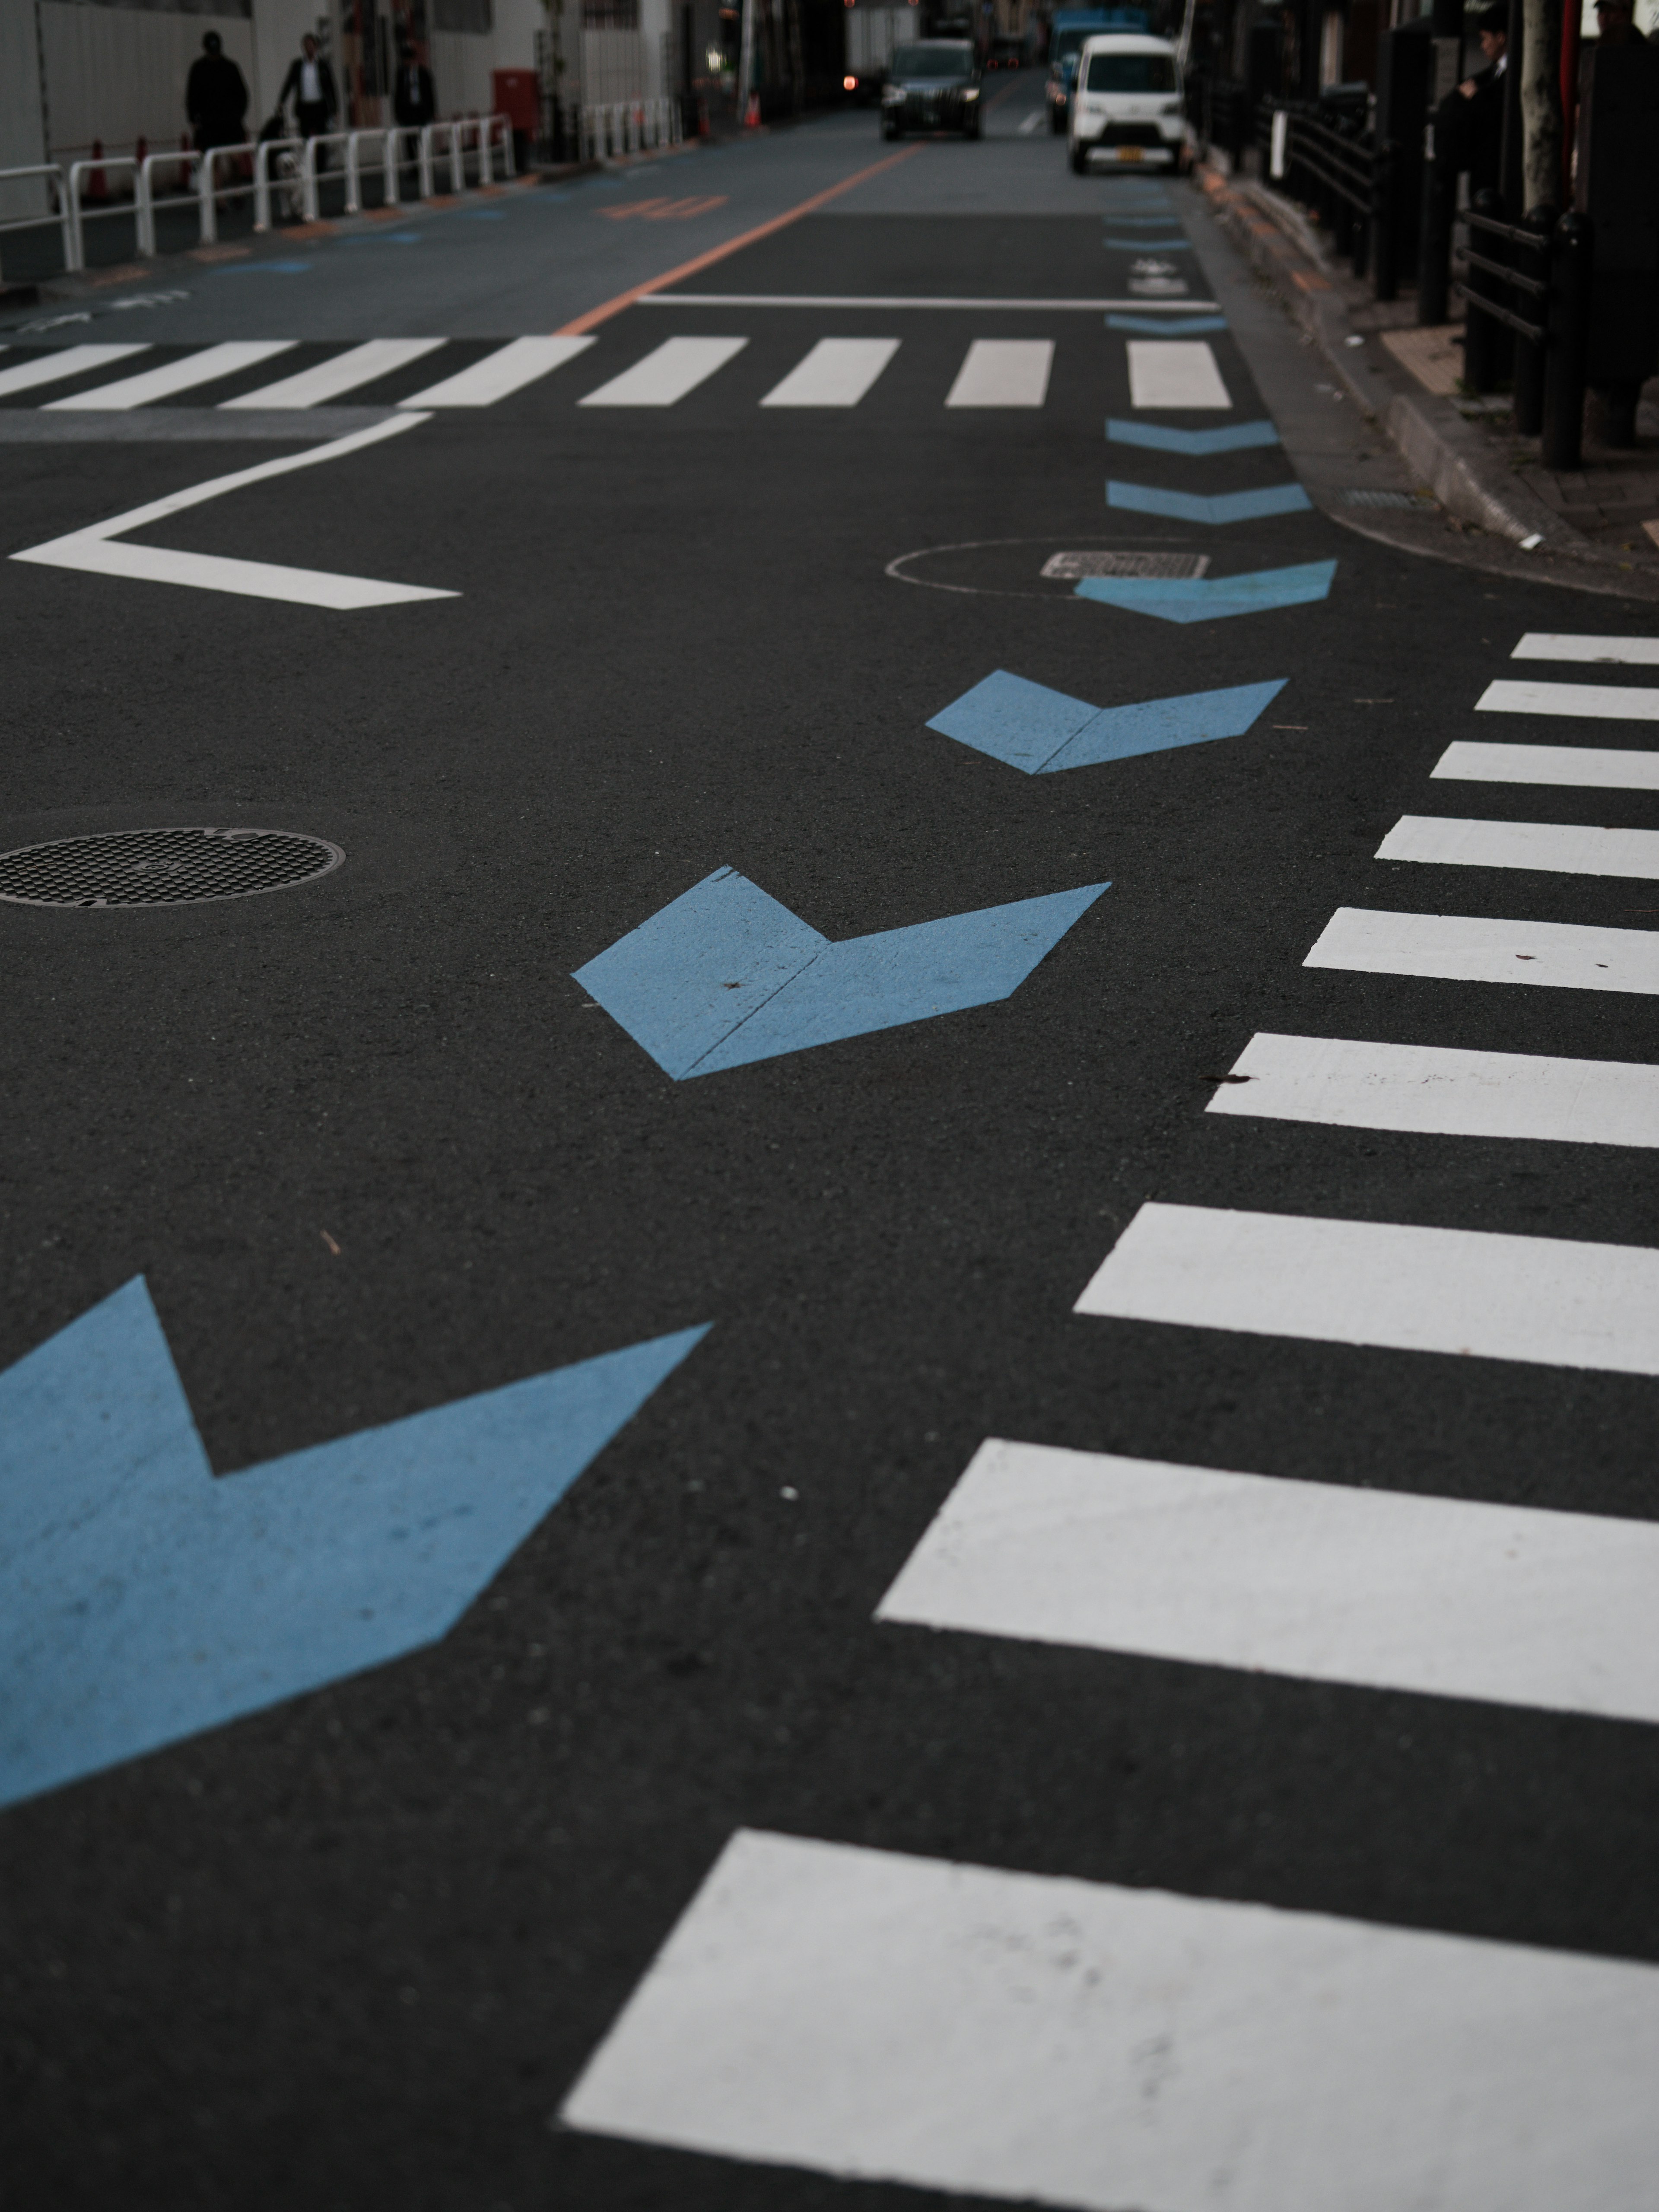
[162, 867]
[1405, 500]
[1068, 567]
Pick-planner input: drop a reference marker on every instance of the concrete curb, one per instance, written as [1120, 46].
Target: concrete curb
[1446, 454]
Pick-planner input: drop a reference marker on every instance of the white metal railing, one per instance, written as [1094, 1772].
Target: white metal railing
[309, 203]
[627, 126]
[75, 253]
[262, 180]
[145, 202]
[52, 173]
[208, 193]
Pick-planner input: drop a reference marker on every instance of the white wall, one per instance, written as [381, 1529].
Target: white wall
[461, 61]
[22, 134]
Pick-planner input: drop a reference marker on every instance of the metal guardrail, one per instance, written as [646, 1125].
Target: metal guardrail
[1347, 178]
[485, 141]
[1546, 264]
[626, 126]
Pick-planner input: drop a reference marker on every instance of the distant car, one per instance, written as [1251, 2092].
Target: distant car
[1127, 108]
[1068, 28]
[932, 86]
[1007, 51]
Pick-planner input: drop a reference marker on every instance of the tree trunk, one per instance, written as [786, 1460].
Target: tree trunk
[1541, 102]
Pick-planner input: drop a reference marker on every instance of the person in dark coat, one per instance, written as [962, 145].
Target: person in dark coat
[216, 98]
[310, 85]
[412, 100]
[1482, 119]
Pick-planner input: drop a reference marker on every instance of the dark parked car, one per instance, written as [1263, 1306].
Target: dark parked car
[932, 86]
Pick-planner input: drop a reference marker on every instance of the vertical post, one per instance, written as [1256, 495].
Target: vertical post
[261, 187]
[75, 244]
[207, 223]
[1571, 24]
[1385, 223]
[457, 158]
[309, 181]
[1572, 276]
[1481, 331]
[389, 152]
[353, 181]
[143, 206]
[427, 187]
[1529, 359]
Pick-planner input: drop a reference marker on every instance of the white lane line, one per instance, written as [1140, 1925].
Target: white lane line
[837, 373]
[72, 361]
[1607, 703]
[1378, 1588]
[1002, 373]
[1442, 1090]
[878, 2016]
[206, 367]
[1460, 948]
[1560, 645]
[1175, 373]
[359, 364]
[97, 550]
[1032, 123]
[1548, 1299]
[1601, 767]
[499, 374]
[676, 367]
[1563, 848]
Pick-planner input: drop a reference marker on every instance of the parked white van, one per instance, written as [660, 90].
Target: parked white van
[1127, 106]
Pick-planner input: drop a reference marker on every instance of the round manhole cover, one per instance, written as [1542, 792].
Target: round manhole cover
[163, 868]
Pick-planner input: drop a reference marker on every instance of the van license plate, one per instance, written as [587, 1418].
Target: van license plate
[1128, 152]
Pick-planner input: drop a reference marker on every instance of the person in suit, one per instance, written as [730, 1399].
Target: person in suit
[412, 100]
[216, 98]
[310, 85]
[1483, 118]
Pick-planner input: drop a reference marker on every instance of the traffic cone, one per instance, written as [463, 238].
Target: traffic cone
[751, 114]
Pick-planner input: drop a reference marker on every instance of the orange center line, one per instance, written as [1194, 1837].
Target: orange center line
[602, 315]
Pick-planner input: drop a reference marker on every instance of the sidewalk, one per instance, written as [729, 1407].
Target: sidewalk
[1498, 507]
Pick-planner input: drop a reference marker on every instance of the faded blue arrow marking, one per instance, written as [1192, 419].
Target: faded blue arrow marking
[724, 974]
[1211, 598]
[142, 1599]
[1194, 506]
[1039, 731]
[1166, 327]
[1196, 445]
[1177, 245]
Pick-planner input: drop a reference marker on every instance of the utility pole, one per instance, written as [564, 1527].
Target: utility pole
[746, 63]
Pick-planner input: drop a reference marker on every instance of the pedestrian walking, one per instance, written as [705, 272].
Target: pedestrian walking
[216, 98]
[1614, 26]
[310, 85]
[413, 102]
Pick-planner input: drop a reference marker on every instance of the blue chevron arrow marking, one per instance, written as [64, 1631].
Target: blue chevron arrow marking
[1040, 730]
[1165, 326]
[1196, 445]
[142, 1599]
[1177, 245]
[1193, 506]
[1211, 598]
[726, 975]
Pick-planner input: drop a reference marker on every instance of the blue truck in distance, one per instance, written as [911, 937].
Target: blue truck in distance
[1068, 29]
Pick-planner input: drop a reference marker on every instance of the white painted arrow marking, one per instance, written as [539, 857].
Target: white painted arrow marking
[95, 551]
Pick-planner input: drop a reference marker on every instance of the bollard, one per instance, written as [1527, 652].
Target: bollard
[1385, 223]
[1481, 332]
[1529, 358]
[1573, 274]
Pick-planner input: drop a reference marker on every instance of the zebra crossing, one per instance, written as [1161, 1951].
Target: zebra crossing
[881, 2015]
[834, 372]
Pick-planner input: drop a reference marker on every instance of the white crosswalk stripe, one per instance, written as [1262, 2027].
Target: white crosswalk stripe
[1002, 373]
[837, 373]
[1598, 767]
[1610, 702]
[500, 373]
[1442, 1090]
[1556, 847]
[1383, 1590]
[57, 368]
[1549, 1300]
[1470, 949]
[664, 377]
[346, 372]
[1175, 373]
[1553, 645]
[207, 366]
[880, 2016]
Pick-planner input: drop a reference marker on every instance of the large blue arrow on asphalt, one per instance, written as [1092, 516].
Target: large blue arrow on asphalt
[143, 1599]
[725, 976]
[1217, 507]
[1195, 445]
[1030, 727]
[1208, 598]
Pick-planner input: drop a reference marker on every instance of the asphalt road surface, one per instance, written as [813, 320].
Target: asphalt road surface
[1170, 1842]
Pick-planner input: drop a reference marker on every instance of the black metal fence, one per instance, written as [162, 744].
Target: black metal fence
[1527, 298]
[1345, 176]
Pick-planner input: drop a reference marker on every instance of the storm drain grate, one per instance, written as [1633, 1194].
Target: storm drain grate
[1067, 567]
[1405, 498]
[163, 868]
